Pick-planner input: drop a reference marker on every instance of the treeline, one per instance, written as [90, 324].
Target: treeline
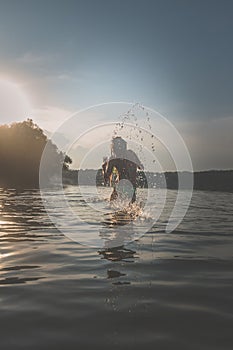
[22, 145]
[21, 148]
[213, 180]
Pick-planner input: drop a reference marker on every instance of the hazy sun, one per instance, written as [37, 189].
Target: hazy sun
[14, 103]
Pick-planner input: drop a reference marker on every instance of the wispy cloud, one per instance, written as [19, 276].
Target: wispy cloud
[37, 58]
[49, 117]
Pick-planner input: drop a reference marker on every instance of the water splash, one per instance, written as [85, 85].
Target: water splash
[137, 133]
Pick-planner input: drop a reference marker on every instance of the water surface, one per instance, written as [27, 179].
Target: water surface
[163, 291]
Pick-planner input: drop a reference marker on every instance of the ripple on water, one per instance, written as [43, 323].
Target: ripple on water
[163, 291]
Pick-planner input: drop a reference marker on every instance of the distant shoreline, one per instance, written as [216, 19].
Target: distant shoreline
[209, 180]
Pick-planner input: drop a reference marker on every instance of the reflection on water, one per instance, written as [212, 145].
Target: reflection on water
[114, 274]
[118, 254]
[23, 224]
[161, 291]
[17, 280]
[23, 267]
[19, 210]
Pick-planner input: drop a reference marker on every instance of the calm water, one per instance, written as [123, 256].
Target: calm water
[163, 291]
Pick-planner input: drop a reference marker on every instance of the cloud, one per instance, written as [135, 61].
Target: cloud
[210, 142]
[37, 58]
[49, 117]
[14, 102]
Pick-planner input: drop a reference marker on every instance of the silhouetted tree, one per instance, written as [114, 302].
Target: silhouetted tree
[67, 161]
[21, 148]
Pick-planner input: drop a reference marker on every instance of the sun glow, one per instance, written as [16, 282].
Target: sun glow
[14, 102]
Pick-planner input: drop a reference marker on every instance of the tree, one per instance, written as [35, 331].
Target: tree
[67, 161]
[21, 147]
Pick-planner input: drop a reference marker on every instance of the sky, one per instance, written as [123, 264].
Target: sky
[175, 56]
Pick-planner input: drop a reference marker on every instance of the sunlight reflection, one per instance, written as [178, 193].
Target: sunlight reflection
[3, 222]
[7, 223]
[5, 255]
